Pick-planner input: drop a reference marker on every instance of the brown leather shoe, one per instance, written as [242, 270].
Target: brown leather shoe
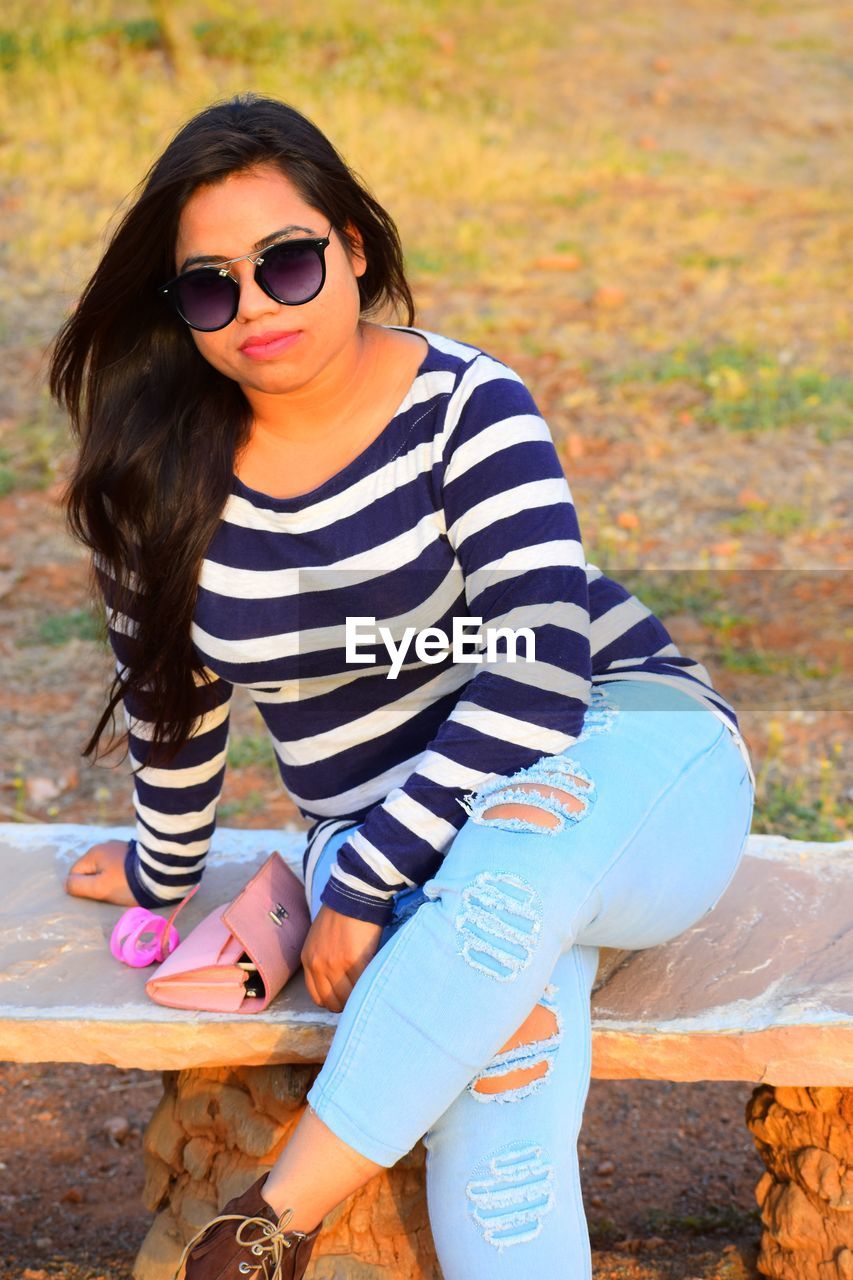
[247, 1241]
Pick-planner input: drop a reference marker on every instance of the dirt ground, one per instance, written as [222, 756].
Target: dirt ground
[668, 1174]
[705, 208]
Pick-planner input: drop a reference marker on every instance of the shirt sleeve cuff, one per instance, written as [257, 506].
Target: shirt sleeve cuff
[140, 893]
[359, 906]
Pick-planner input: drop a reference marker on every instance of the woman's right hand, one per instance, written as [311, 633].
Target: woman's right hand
[99, 873]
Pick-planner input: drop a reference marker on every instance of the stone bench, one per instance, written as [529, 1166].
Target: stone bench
[759, 990]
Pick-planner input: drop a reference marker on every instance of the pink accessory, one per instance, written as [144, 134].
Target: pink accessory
[141, 937]
[268, 921]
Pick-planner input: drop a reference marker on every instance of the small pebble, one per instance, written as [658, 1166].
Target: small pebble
[72, 1196]
[39, 790]
[117, 1129]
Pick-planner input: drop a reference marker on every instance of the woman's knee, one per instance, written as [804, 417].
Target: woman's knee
[527, 1058]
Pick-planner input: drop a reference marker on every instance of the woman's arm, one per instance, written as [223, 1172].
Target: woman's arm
[175, 803]
[513, 528]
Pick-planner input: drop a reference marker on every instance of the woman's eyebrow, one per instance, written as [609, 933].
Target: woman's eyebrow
[197, 259]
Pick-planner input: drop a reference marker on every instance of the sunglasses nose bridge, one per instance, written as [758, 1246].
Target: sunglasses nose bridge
[253, 299]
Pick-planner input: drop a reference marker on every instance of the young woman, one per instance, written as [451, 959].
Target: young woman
[266, 477]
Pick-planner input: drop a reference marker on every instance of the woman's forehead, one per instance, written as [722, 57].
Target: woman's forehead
[238, 214]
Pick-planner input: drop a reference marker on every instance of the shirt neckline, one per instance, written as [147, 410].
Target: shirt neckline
[295, 502]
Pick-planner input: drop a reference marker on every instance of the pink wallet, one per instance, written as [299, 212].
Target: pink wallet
[268, 921]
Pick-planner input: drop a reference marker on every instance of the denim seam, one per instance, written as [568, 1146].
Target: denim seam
[743, 841]
[577, 1118]
[686, 770]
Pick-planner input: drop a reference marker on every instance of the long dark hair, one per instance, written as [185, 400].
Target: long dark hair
[158, 427]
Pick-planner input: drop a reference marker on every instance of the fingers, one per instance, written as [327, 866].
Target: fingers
[336, 988]
[356, 969]
[83, 879]
[328, 993]
[84, 884]
[99, 873]
[341, 989]
[334, 993]
[336, 952]
[86, 863]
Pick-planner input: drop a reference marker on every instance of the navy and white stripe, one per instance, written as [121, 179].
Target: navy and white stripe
[459, 508]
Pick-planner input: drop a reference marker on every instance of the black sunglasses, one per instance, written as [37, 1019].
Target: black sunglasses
[290, 272]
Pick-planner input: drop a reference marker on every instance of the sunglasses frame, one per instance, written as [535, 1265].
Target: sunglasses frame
[169, 290]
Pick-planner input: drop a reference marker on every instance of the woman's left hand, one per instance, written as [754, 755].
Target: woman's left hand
[336, 952]
[99, 874]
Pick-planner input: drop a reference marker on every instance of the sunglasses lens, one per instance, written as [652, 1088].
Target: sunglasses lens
[293, 272]
[206, 299]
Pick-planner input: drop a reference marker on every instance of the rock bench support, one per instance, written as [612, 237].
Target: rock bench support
[805, 1138]
[216, 1129]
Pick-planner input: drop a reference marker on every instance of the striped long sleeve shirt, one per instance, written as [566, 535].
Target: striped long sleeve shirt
[331, 609]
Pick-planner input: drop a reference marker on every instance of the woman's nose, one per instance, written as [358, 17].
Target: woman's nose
[253, 301]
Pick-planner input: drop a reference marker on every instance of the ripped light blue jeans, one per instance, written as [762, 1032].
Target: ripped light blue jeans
[514, 918]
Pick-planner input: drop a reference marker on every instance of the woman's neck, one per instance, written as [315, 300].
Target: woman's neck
[296, 444]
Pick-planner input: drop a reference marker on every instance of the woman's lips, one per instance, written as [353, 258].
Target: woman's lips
[262, 348]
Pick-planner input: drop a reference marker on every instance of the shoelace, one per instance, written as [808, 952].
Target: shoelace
[271, 1241]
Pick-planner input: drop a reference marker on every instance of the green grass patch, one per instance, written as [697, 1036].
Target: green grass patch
[716, 1218]
[251, 749]
[576, 199]
[252, 802]
[672, 591]
[779, 520]
[749, 390]
[40, 441]
[800, 811]
[60, 628]
[424, 264]
[772, 662]
[347, 41]
[347, 48]
[603, 1232]
[806, 44]
[802, 808]
[50, 42]
[708, 261]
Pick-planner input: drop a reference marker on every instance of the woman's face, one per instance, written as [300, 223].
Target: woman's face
[224, 221]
